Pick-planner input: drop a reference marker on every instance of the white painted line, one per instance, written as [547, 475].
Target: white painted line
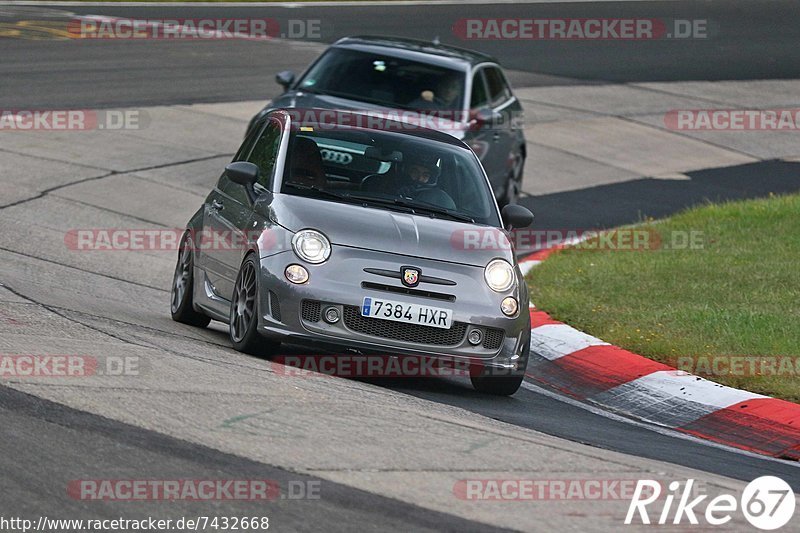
[674, 176]
[650, 427]
[672, 398]
[694, 388]
[553, 341]
[531, 263]
[526, 266]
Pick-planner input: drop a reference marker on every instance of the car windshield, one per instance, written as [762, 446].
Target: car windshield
[385, 80]
[388, 170]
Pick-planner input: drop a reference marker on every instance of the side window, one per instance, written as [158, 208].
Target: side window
[478, 98]
[234, 190]
[265, 152]
[247, 145]
[499, 91]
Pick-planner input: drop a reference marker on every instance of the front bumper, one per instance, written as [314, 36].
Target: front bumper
[294, 313]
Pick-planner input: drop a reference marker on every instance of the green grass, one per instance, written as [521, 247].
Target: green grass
[738, 295]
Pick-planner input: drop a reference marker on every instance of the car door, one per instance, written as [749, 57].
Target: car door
[225, 215]
[479, 136]
[484, 135]
[229, 211]
[501, 103]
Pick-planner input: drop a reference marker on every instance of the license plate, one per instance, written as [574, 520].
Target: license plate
[424, 315]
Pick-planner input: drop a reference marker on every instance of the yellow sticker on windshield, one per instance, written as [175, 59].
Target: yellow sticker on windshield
[306, 128]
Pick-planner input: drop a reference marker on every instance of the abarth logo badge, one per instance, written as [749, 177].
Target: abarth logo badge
[410, 276]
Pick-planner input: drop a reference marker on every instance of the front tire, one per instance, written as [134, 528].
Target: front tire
[502, 383]
[182, 306]
[497, 385]
[243, 321]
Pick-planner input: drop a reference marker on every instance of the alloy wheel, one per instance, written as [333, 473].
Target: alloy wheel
[244, 302]
[182, 277]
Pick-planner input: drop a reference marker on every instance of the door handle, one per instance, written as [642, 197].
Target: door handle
[216, 205]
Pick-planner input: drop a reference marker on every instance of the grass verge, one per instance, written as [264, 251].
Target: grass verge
[726, 308]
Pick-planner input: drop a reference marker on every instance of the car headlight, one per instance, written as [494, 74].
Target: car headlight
[311, 246]
[499, 275]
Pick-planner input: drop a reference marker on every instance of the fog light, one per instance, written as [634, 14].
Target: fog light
[331, 315]
[475, 337]
[296, 274]
[509, 306]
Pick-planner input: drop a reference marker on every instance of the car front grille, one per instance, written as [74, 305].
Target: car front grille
[310, 311]
[274, 306]
[416, 333]
[493, 338]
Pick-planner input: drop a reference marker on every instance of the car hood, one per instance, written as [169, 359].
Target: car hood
[309, 101]
[392, 231]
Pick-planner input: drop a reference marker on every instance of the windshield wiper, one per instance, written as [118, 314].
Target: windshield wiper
[415, 207]
[316, 189]
[436, 210]
[364, 200]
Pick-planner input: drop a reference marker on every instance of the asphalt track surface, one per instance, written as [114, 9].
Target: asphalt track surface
[45, 441]
[34, 426]
[746, 40]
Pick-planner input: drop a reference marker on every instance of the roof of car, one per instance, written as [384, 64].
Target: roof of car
[401, 44]
[310, 116]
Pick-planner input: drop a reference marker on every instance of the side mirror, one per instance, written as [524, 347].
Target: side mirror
[242, 172]
[516, 216]
[285, 78]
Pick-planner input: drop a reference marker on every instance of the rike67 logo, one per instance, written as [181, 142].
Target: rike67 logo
[767, 503]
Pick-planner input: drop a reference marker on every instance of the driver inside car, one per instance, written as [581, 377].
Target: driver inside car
[419, 181]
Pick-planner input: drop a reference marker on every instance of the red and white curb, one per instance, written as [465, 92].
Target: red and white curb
[587, 369]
